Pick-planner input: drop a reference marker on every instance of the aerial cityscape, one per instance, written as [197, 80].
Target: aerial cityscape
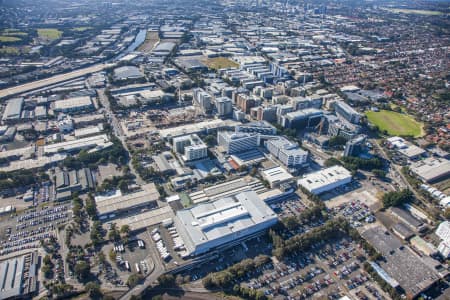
[225, 149]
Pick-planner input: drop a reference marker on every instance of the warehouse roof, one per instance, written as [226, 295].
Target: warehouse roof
[324, 177]
[70, 103]
[117, 203]
[431, 169]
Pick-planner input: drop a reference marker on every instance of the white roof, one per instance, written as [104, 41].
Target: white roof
[324, 177]
[277, 174]
[443, 232]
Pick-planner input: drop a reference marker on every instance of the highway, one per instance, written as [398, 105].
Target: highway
[52, 80]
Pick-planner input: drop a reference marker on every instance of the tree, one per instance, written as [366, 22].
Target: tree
[379, 173]
[123, 186]
[93, 289]
[133, 280]
[336, 141]
[447, 213]
[91, 207]
[82, 270]
[332, 161]
[166, 280]
[397, 198]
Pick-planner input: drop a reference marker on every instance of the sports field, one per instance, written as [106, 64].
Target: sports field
[49, 33]
[9, 39]
[395, 123]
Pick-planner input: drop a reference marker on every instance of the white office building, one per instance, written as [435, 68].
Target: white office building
[224, 106]
[190, 146]
[237, 142]
[290, 154]
[325, 180]
[223, 222]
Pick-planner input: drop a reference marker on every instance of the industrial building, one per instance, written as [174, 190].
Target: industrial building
[237, 142]
[325, 180]
[347, 112]
[443, 232]
[431, 169]
[277, 176]
[110, 205]
[82, 103]
[127, 72]
[191, 147]
[13, 110]
[223, 222]
[405, 148]
[290, 154]
[67, 182]
[99, 142]
[18, 276]
[412, 272]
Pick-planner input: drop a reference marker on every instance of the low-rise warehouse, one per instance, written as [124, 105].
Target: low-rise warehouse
[325, 180]
[18, 276]
[431, 169]
[73, 104]
[222, 222]
[277, 176]
[109, 206]
[98, 141]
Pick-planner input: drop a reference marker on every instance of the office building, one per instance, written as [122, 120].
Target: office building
[223, 223]
[261, 127]
[314, 101]
[355, 146]
[325, 180]
[345, 111]
[277, 176]
[237, 142]
[302, 118]
[190, 146]
[289, 153]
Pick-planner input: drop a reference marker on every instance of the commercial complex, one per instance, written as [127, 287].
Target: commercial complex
[325, 180]
[224, 221]
[302, 118]
[237, 142]
[290, 154]
[191, 147]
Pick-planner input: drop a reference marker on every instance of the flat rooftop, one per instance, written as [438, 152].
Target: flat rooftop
[412, 273]
[146, 219]
[277, 174]
[324, 177]
[431, 169]
[213, 220]
[119, 202]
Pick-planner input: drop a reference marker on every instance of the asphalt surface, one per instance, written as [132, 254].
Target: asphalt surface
[52, 80]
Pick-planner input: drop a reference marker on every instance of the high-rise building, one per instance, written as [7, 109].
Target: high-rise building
[290, 154]
[224, 106]
[190, 146]
[237, 142]
[355, 146]
[203, 99]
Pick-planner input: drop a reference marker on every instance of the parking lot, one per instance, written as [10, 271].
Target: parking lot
[27, 229]
[356, 212]
[289, 207]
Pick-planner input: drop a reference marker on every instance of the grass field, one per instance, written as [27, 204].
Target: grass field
[10, 50]
[416, 11]
[395, 123]
[14, 32]
[49, 33]
[9, 39]
[220, 63]
[81, 29]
